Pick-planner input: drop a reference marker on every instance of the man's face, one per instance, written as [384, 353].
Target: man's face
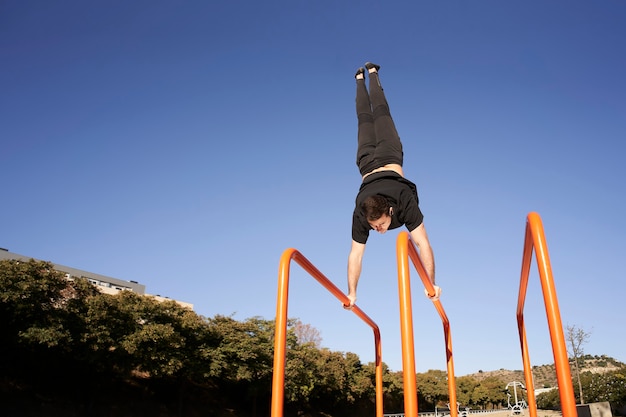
[382, 224]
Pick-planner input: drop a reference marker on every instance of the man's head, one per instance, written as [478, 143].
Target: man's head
[378, 212]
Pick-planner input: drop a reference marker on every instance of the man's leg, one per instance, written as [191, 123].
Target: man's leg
[388, 146]
[366, 134]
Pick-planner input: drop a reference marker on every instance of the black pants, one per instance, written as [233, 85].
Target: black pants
[379, 143]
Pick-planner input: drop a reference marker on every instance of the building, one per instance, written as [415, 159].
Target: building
[107, 285]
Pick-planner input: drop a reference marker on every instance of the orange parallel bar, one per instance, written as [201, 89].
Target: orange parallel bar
[280, 337]
[535, 239]
[405, 248]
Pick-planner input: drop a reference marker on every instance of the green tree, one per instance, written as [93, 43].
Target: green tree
[42, 312]
[489, 393]
[549, 400]
[433, 386]
[114, 323]
[67, 327]
[495, 389]
[129, 335]
[244, 357]
[393, 390]
[245, 348]
[331, 387]
[299, 375]
[154, 340]
[32, 300]
[465, 385]
[480, 396]
[361, 379]
[609, 386]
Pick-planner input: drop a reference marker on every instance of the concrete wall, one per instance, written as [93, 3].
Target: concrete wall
[602, 409]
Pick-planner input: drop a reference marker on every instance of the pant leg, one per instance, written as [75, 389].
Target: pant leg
[366, 132]
[388, 145]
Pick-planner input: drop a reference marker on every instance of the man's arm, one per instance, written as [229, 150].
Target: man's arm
[420, 237]
[355, 260]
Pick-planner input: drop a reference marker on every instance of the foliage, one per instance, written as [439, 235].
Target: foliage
[465, 386]
[127, 354]
[38, 306]
[489, 394]
[433, 387]
[608, 386]
[549, 400]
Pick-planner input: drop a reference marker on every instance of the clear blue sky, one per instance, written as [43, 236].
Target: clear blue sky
[186, 145]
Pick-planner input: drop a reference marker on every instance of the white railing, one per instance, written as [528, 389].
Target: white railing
[447, 413]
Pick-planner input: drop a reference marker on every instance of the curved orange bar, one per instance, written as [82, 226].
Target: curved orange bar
[535, 239]
[280, 338]
[405, 248]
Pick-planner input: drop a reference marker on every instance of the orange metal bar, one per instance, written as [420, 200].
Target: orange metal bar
[280, 338]
[535, 239]
[405, 248]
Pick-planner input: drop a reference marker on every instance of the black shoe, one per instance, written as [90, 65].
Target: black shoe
[360, 71]
[369, 66]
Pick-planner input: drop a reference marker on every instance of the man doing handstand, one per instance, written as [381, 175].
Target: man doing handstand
[386, 200]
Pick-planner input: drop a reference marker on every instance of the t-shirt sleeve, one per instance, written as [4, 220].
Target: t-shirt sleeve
[360, 232]
[412, 216]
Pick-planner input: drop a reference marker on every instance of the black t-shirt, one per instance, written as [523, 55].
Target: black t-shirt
[401, 195]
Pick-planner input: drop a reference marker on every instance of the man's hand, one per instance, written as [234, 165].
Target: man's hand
[352, 299]
[436, 295]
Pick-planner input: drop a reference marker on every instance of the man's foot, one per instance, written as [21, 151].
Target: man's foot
[360, 74]
[372, 67]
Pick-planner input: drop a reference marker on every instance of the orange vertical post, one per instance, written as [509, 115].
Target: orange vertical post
[535, 239]
[280, 337]
[406, 328]
[406, 249]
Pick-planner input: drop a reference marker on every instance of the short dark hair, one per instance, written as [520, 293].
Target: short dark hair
[374, 207]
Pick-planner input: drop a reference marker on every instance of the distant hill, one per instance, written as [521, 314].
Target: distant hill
[545, 375]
